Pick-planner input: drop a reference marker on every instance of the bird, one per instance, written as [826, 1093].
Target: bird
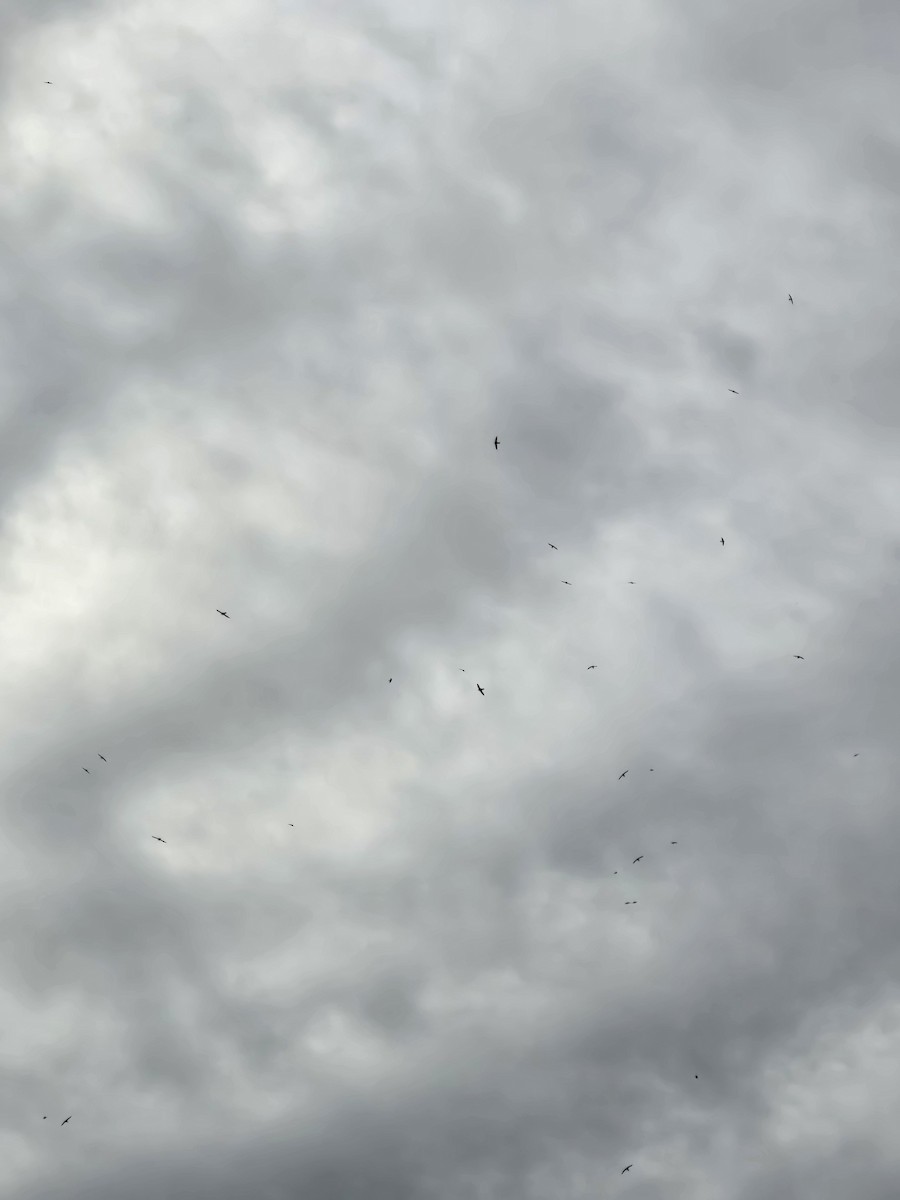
[624, 773]
[480, 688]
[592, 667]
[722, 540]
[673, 843]
[791, 298]
[463, 669]
[696, 1076]
[101, 756]
[856, 755]
[552, 547]
[496, 443]
[732, 390]
[45, 1118]
[159, 839]
[391, 680]
[799, 656]
[628, 1168]
[565, 581]
[85, 770]
[638, 859]
[631, 581]
[67, 1120]
[222, 614]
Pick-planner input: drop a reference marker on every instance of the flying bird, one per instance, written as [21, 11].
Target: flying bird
[222, 614]
[67, 1120]
[856, 756]
[628, 1168]
[391, 680]
[799, 656]
[791, 298]
[631, 581]
[552, 547]
[624, 773]
[480, 688]
[673, 843]
[496, 443]
[592, 667]
[159, 839]
[638, 859]
[101, 756]
[566, 582]
[85, 770]
[722, 540]
[735, 393]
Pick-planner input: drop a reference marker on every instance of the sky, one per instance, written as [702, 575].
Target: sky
[274, 276]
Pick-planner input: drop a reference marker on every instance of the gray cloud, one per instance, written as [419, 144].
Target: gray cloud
[276, 278]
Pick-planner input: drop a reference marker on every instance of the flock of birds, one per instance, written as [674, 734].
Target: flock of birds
[592, 667]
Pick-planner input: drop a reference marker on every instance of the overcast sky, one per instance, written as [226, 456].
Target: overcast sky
[274, 276]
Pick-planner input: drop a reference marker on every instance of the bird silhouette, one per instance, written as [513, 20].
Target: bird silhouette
[791, 298]
[735, 393]
[565, 581]
[722, 540]
[159, 839]
[624, 773]
[856, 756]
[67, 1120]
[628, 1168]
[552, 547]
[222, 614]
[391, 680]
[101, 756]
[85, 770]
[638, 859]
[496, 443]
[631, 581]
[673, 843]
[480, 688]
[799, 656]
[592, 667]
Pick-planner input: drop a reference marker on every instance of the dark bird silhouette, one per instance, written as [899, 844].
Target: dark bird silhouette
[624, 773]
[799, 656]
[222, 614]
[480, 688]
[101, 756]
[291, 823]
[496, 443]
[856, 756]
[628, 1168]
[592, 667]
[722, 540]
[791, 298]
[159, 839]
[85, 770]
[696, 1076]
[638, 859]
[67, 1120]
[552, 547]
[673, 843]
[391, 680]
[45, 1118]
[631, 581]
[463, 669]
[565, 581]
[732, 390]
